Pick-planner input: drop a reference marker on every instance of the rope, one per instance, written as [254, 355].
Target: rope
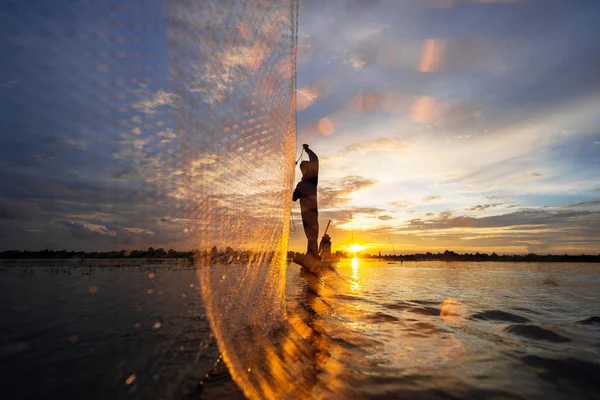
[293, 224]
[301, 154]
[393, 248]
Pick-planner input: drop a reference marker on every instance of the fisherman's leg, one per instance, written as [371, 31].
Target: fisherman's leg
[312, 247]
[311, 237]
[310, 222]
[312, 234]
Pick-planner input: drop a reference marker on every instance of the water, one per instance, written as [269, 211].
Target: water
[71, 330]
[510, 330]
[378, 330]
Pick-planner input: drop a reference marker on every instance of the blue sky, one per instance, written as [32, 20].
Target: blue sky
[468, 125]
[463, 124]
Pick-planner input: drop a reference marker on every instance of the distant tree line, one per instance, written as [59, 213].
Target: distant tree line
[115, 254]
[337, 255]
[214, 255]
[452, 256]
[231, 256]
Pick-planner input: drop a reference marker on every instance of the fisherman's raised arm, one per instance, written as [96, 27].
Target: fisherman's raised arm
[311, 154]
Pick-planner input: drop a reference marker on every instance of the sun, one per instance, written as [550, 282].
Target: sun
[355, 248]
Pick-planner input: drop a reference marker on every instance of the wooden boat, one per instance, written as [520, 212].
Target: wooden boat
[313, 264]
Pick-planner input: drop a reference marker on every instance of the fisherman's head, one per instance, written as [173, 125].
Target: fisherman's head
[305, 168]
[326, 238]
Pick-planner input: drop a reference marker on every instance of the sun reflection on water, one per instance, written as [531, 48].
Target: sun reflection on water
[355, 285]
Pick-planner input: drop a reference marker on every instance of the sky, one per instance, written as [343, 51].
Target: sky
[467, 125]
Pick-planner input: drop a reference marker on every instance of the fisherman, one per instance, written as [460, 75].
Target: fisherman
[325, 247]
[306, 191]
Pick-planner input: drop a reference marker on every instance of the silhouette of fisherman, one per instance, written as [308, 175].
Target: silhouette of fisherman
[325, 247]
[306, 191]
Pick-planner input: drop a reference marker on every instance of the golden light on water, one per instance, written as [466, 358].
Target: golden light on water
[453, 312]
[355, 287]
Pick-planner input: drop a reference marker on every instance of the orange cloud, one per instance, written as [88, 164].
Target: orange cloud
[306, 96]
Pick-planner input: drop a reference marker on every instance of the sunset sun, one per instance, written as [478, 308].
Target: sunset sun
[355, 248]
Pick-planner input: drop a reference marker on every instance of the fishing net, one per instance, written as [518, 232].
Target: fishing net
[233, 66]
[186, 110]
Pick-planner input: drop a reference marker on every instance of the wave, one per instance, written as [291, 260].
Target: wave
[499, 315]
[537, 333]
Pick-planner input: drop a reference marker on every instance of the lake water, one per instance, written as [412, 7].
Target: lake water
[137, 329]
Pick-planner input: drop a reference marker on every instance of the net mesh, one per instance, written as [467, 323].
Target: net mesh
[233, 69]
[185, 111]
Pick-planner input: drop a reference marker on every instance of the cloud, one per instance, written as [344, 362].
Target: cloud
[305, 97]
[379, 144]
[122, 173]
[483, 207]
[101, 229]
[481, 88]
[547, 230]
[140, 231]
[498, 197]
[584, 204]
[219, 71]
[540, 218]
[385, 217]
[343, 217]
[430, 199]
[80, 230]
[369, 31]
[18, 210]
[445, 214]
[356, 62]
[96, 236]
[333, 196]
[154, 101]
[401, 204]
[76, 144]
